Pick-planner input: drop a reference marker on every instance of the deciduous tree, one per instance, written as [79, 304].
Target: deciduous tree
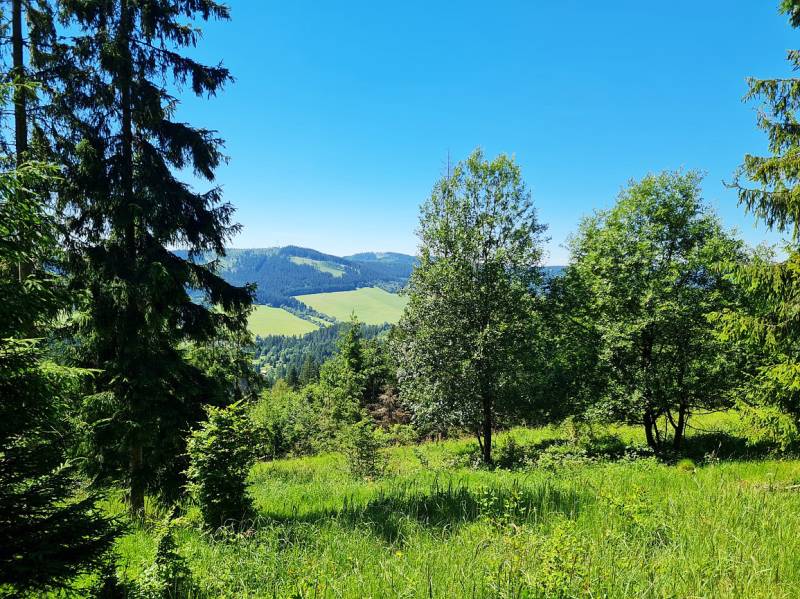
[468, 336]
[651, 267]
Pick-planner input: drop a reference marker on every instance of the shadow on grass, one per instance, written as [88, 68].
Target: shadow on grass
[723, 446]
[442, 509]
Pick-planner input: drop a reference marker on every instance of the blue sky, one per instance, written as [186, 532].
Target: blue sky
[343, 113]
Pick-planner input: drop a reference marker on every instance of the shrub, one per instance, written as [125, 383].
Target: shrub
[510, 455]
[362, 445]
[168, 577]
[284, 422]
[220, 457]
[402, 434]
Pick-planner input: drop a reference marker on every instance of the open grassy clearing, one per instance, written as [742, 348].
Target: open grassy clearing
[331, 268]
[266, 320]
[435, 527]
[371, 305]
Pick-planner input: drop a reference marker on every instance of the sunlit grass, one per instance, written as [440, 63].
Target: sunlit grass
[435, 527]
[266, 320]
[370, 304]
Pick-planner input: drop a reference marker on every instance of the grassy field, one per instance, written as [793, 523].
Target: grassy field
[435, 527]
[372, 305]
[323, 266]
[266, 320]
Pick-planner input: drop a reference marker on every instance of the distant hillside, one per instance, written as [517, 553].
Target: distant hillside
[281, 273]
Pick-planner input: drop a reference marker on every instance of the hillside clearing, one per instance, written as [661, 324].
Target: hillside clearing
[266, 320]
[371, 305]
[331, 268]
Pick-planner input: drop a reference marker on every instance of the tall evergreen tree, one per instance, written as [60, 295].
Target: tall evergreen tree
[770, 320]
[50, 530]
[117, 134]
[467, 337]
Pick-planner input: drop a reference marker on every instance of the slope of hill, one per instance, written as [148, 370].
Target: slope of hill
[281, 273]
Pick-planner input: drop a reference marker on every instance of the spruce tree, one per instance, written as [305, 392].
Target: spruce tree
[118, 135]
[50, 530]
[770, 317]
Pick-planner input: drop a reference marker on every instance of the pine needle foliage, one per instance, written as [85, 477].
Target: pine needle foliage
[115, 128]
[769, 321]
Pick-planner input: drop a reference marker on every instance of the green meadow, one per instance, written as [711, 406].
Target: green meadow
[564, 524]
[331, 268]
[371, 305]
[266, 320]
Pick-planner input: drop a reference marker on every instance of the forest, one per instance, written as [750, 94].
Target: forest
[625, 426]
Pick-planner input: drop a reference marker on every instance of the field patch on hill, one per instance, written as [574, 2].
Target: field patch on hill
[331, 268]
[371, 305]
[266, 320]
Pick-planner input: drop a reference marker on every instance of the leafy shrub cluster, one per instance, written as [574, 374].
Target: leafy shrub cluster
[284, 422]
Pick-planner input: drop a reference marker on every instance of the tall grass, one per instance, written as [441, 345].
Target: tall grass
[433, 528]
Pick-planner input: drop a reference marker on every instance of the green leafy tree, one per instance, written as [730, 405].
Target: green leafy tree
[340, 392]
[467, 340]
[122, 147]
[651, 267]
[571, 377]
[769, 319]
[50, 529]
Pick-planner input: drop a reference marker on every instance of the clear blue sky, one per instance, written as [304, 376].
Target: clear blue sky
[342, 113]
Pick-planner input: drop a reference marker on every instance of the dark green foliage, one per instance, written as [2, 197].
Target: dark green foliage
[221, 454]
[277, 353]
[649, 274]
[467, 341]
[358, 379]
[227, 362]
[121, 146]
[50, 530]
[571, 377]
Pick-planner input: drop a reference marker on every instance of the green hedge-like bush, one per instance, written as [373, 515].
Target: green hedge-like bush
[220, 457]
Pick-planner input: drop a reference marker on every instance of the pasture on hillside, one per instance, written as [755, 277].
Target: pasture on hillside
[372, 305]
[266, 320]
[335, 270]
[565, 517]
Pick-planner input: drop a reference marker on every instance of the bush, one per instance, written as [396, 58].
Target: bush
[168, 577]
[402, 434]
[220, 458]
[362, 444]
[510, 455]
[284, 422]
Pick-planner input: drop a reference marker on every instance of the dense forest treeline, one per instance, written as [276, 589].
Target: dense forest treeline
[115, 379]
[297, 359]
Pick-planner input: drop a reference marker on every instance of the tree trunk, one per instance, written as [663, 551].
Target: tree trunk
[24, 268]
[679, 427]
[129, 233]
[649, 425]
[18, 73]
[487, 430]
[137, 479]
